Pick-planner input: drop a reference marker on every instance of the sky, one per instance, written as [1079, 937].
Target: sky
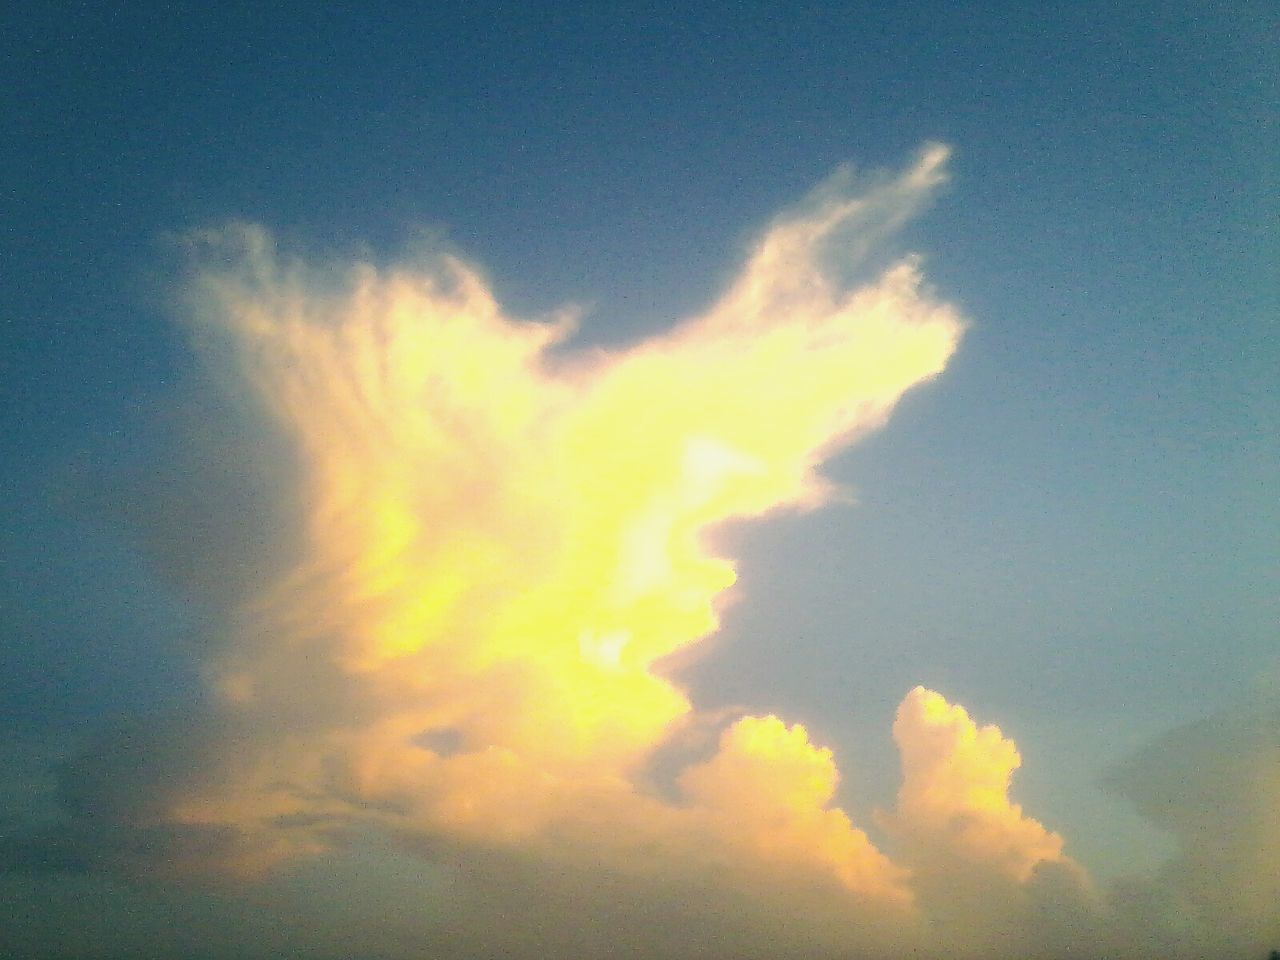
[704, 481]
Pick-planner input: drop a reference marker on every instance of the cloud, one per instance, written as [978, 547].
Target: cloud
[1215, 786]
[954, 802]
[475, 549]
[994, 879]
[769, 789]
[499, 539]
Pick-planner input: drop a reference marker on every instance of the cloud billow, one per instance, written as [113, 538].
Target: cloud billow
[493, 543]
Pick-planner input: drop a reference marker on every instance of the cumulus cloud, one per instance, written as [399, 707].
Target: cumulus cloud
[497, 542]
[994, 879]
[482, 547]
[954, 804]
[769, 789]
[1214, 785]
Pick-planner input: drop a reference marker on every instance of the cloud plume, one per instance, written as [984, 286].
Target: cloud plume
[486, 547]
[500, 541]
[954, 801]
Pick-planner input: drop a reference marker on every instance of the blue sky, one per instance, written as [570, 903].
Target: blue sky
[1072, 531]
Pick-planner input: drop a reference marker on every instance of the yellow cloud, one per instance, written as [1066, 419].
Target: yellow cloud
[769, 789]
[954, 799]
[499, 542]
